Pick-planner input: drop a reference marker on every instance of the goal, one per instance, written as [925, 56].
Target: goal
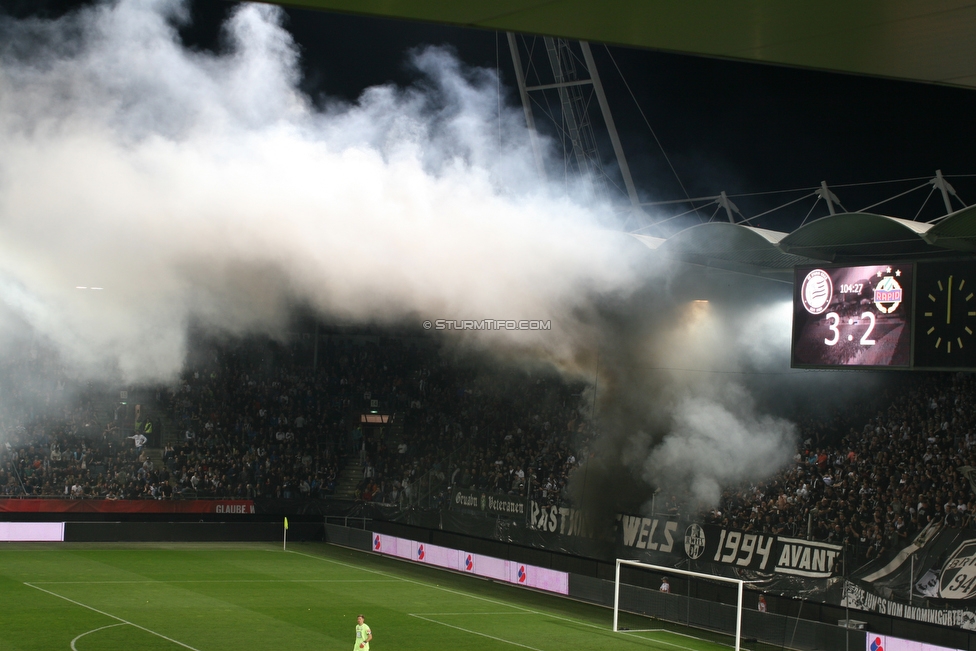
[700, 601]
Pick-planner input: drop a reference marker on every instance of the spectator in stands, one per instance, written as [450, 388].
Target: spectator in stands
[139, 439]
[870, 481]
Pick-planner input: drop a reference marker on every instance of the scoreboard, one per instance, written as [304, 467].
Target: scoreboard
[891, 315]
[853, 316]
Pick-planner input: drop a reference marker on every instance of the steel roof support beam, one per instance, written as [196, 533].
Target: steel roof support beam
[828, 196]
[611, 127]
[723, 201]
[946, 188]
[526, 106]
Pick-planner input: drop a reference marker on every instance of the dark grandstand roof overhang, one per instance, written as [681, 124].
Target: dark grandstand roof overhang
[932, 42]
[848, 238]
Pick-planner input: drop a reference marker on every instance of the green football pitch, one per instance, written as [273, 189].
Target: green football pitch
[257, 597]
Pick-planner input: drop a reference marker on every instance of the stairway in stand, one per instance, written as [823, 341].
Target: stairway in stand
[349, 478]
[170, 434]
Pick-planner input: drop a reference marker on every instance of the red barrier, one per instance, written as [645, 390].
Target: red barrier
[232, 507]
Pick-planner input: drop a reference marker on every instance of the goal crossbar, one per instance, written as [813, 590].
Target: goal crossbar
[673, 570]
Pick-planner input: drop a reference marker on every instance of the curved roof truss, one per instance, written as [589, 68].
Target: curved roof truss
[842, 238]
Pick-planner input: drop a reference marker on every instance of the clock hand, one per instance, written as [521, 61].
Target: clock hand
[949, 302]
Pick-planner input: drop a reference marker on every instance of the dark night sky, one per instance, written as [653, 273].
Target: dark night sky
[732, 126]
[738, 127]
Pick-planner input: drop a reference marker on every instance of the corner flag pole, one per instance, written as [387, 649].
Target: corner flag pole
[284, 540]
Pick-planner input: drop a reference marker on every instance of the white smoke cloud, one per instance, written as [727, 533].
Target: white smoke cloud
[716, 441]
[198, 187]
[716, 434]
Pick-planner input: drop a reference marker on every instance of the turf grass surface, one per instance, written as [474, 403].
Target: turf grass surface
[234, 597]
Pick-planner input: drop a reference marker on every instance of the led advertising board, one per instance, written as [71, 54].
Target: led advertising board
[853, 316]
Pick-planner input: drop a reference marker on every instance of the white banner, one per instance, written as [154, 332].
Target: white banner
[31, 532]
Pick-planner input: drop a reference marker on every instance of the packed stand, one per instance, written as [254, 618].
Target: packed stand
[875, 488]
[509, 431]
[52, 444]
[268, 421]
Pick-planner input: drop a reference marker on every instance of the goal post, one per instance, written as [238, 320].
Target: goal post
[654, 602]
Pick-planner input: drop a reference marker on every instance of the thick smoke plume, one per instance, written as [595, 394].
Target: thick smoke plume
[679, 397]
[193, 187]
[145, 187]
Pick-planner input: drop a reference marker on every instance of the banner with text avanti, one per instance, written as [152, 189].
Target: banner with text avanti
[760, 552]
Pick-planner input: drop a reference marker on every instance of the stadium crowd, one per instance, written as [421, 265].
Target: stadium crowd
[909, 466]
[261, 421]
[251, 421]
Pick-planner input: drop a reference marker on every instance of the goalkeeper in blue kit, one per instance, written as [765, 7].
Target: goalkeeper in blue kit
[363, 634]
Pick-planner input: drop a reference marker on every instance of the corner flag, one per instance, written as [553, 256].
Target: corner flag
[286, 524]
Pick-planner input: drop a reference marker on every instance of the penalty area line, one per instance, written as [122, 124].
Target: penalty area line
[468, 595]
[102, 628]
[167, 581]
[467, 630]
[508, 612]
[111, 616]
[655, 640]
[523, 609]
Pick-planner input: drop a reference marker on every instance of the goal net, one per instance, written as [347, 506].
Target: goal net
[709, 606]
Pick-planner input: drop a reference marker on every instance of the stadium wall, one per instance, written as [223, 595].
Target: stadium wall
[497, 537]
[591, 579]
[779, 630]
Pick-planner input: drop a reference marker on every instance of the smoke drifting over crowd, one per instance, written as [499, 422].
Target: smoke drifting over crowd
[145, 187]
[196, 187]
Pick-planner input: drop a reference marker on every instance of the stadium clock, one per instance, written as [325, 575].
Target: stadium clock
[945, 317]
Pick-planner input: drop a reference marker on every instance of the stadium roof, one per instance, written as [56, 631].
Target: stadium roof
[843, 238]
[931, 41]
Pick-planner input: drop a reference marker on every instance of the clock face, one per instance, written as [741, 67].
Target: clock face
[945, 316]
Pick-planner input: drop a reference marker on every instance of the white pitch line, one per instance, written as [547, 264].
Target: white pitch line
[143, 582]
[466, 630]
[428, 585]
[101, 612]
[73, 648]
[461, 614]
[659, 641]
[658, 630]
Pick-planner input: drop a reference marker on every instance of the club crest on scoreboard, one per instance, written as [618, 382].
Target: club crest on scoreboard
[817, 291]
[887, 294]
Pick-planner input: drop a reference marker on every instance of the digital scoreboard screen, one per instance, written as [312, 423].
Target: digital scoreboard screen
[853, 316]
